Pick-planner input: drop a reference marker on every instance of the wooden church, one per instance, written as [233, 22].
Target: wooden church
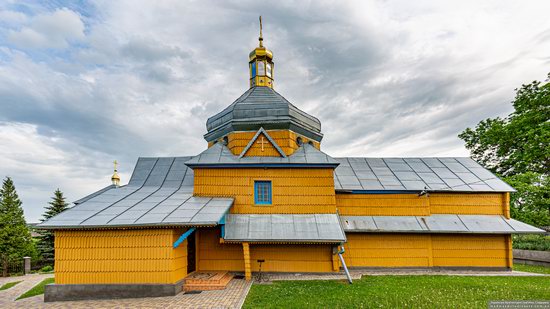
[265, 193]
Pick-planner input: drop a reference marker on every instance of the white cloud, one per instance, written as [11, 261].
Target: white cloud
[49, 30]
[386, 78]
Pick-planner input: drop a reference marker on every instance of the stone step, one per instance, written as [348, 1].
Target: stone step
[207, 281]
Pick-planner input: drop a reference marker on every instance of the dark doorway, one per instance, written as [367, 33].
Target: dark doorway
[191, 252]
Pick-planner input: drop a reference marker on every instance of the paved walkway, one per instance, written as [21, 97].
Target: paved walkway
[232, 297]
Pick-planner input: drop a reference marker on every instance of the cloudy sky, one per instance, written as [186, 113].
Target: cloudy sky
[84, 84]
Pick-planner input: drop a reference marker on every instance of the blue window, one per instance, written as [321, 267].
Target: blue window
[262, 192]
[253, 69]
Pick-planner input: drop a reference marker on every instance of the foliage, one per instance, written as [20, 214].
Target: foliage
[531, 201]
[531, 242]
[37, 289]
[9, 285]
[15, 237]
[46, 269]
[532, 268]
[517, 148]
[46, 243]
[518, 143]
[398, 292]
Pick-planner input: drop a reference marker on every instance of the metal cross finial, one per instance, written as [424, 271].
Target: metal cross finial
[261, 37]
[115, 163]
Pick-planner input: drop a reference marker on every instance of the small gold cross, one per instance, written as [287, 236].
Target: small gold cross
[115, 163]
[262, 142]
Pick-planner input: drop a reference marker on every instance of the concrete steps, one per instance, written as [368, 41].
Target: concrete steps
[207, 280]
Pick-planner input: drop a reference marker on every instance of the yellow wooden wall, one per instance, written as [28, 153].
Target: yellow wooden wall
[382, 205]
[427, 250]
[295, 191]
[119, 256]
[414, 205]
[470, 204]
[212, 255]
[286, 139]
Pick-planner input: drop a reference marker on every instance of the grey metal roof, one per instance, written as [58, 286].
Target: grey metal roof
[219, 155]
[415, 174]
[476, 224]
[98, 192]
[322, 228]
[262, 107]
[159, 193]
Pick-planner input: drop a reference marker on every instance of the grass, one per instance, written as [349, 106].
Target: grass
[398, 292]
[37, 289]
[532, 269]
[8, 285]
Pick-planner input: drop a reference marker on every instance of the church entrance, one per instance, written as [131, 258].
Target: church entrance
[191, 252]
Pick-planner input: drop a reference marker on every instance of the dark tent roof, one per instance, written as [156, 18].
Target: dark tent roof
[262, 107]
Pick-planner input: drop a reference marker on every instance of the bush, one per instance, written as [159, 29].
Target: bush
[46, 269]
[531, 242]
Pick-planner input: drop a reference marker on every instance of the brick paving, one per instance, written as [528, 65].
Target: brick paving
[232, 297]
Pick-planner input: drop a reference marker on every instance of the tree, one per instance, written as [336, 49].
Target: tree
[46, 244]
[517, 148]
[15, 237]
[518, 143]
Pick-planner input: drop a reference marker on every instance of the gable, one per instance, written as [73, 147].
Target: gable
[262, 145]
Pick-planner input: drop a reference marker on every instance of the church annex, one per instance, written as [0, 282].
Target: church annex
[264, 191]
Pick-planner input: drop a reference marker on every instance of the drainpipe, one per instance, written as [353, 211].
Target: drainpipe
[342, 250]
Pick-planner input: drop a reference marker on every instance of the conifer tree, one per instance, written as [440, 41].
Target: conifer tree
[15, 237]
[46, 244]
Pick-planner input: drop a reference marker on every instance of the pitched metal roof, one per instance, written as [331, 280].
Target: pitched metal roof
[98, 192]
[159, 193]
[262, 107]
[416, 174]
[473, 224]
[320, 228]
[219, 155]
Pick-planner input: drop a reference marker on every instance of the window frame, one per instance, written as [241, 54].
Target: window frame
[257, 184]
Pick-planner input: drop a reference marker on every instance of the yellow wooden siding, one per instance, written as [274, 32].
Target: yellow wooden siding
[387, 250]
[212, 255]
[414, 205]
[470, 250]
[285, 139]
[419, 250]
[468, 204]
[382, 205]
[278, 258]
[295, 191]
[119, 256]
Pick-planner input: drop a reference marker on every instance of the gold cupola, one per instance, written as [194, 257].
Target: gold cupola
[115, 179]
[261, 64]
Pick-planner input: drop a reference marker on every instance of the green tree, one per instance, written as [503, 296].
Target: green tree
[518, 148]
[46, 243]
[15, 237]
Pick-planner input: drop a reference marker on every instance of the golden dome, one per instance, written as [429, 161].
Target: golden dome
[115, 179]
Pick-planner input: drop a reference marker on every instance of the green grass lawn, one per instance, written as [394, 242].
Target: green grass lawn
[532, 268]
[37, 289]
[8, 285]
[398, 292]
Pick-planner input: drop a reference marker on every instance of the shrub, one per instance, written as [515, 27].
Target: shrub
[46, 269]
[531, 242]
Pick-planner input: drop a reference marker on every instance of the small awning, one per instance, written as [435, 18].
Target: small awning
[476, 224]
[287, 228]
